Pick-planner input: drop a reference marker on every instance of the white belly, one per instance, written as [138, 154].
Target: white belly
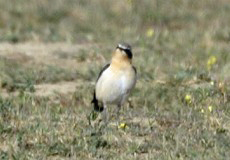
[114, 87]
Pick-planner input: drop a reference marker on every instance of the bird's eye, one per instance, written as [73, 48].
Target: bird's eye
[129, 53]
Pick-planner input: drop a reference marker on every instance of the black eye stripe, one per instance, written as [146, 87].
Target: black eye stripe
[129, 53]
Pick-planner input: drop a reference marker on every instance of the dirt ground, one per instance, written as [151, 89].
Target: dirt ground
[41, 54]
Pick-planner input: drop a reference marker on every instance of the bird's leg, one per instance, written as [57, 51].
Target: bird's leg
[118, 113]
[105, 114]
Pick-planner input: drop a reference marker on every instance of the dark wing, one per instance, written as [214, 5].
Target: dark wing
[96, 104]
[135, 70]
[103, 69]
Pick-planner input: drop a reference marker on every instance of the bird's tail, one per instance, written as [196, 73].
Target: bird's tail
[96, 104]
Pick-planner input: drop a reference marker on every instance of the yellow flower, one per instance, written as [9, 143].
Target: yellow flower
[188, 98]
[212, 83]
[202, 110]
[210, 108]
[150, 32]
[211, 61]
[122, 126]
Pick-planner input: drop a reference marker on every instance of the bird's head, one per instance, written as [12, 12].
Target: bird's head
[124, 49]
[123, 53]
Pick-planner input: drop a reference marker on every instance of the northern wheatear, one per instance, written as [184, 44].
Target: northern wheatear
[115, 81]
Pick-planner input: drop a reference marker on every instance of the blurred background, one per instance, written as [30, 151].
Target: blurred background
[103, 21]
[51, 52]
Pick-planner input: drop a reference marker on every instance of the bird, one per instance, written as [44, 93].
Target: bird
[115, 81]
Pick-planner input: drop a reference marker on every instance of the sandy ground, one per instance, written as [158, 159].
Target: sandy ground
[43, 54]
